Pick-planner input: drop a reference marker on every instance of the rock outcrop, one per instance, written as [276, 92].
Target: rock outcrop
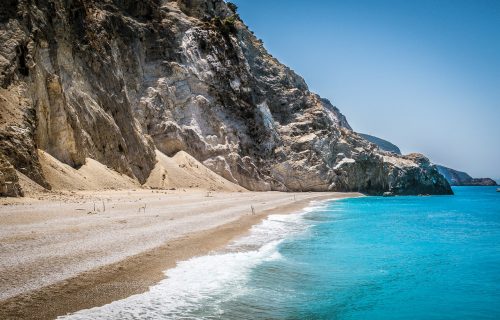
[459, 178]
[9, 181]
[115, 80]
[481, 182]
[454, 177]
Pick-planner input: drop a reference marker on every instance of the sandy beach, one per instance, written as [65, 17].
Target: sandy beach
[62, 252]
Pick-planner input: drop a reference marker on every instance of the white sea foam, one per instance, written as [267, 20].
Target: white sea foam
[204, 283]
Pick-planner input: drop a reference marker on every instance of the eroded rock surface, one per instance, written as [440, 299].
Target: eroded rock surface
[9, 181]
[115, 80]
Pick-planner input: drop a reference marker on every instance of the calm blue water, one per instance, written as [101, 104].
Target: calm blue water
[365, 258]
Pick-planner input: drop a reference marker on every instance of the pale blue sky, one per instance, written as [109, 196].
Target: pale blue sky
[424, 74]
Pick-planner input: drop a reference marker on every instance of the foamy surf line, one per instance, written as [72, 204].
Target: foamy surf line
[197, 288]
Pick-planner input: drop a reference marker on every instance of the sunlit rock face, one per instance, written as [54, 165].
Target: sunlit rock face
[115, 80]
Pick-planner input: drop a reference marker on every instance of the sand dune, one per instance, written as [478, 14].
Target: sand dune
[91, 176]
[179, 171]
[184, 171]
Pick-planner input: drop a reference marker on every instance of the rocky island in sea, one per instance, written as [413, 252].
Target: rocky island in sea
[459, 178]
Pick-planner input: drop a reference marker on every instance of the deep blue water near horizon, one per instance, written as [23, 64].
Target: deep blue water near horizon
[385, 258]
[366, 258]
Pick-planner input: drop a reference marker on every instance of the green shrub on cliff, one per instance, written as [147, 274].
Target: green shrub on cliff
[226, 26]
[232, 7]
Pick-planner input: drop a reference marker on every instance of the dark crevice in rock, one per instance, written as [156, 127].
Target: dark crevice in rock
[21, 52]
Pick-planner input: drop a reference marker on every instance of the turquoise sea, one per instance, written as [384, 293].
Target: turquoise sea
[367, 258]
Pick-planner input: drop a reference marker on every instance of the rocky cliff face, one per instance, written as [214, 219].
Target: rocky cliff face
[114, 80]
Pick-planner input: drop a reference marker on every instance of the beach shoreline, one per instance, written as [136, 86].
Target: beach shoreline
[229, 216]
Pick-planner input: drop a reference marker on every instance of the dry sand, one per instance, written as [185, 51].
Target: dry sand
[179, 171]
[63, 252]
[100, 236]
[184, 171]
[91, 176]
